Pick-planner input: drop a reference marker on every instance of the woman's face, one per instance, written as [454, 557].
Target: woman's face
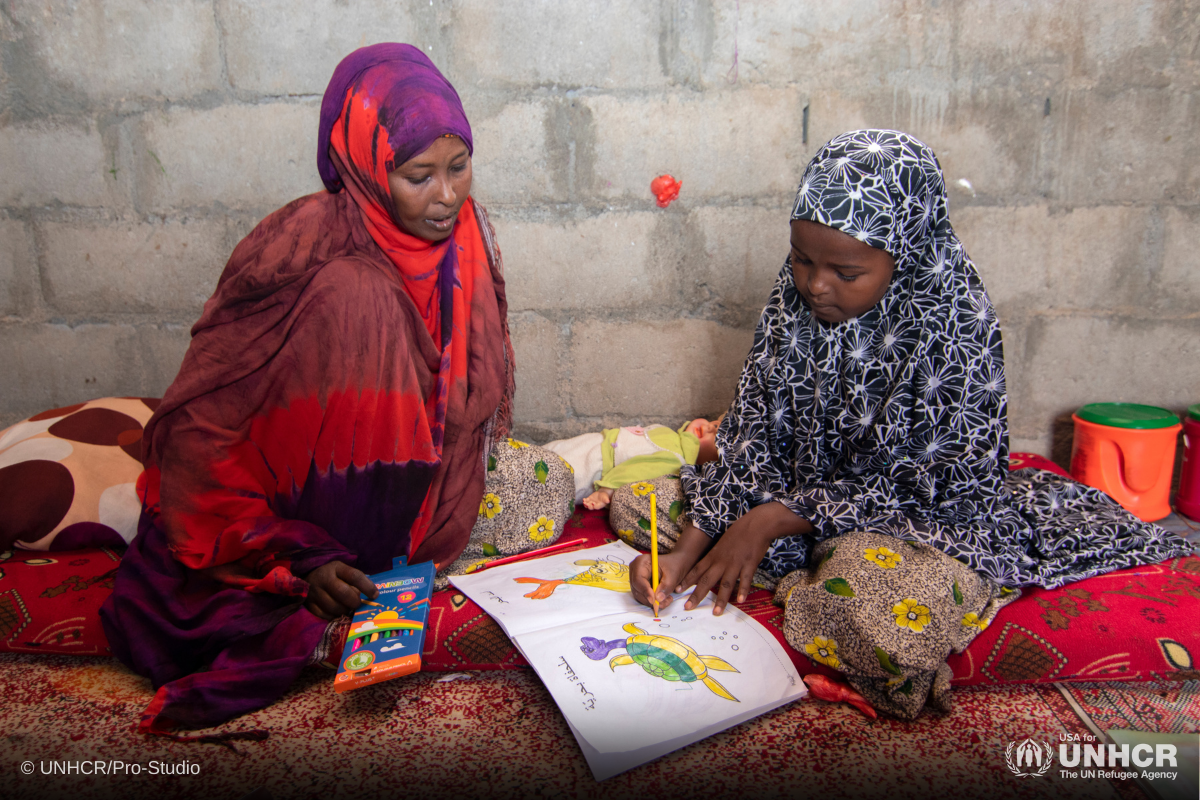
[430, 188]
[837, 275]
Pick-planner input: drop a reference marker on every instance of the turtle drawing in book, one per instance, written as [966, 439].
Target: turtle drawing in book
[661, 656]
[606, 573]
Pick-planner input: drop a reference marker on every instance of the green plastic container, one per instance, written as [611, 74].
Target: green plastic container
[1132, 415]
[1194, 412]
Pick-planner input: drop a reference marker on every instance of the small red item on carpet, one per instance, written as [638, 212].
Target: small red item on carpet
[826, 688]
[666, 189]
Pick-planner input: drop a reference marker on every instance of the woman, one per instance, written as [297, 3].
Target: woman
[873, 400]
[334, 409]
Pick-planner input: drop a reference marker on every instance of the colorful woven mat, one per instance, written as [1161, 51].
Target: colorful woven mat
[1155, 706]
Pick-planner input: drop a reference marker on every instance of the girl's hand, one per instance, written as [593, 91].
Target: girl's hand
[730, 564]
[671, 568]
[333, 590]
[733, 559]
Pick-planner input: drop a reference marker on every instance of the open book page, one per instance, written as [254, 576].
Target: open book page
[546, 592]
[626, 682]
[632, 688]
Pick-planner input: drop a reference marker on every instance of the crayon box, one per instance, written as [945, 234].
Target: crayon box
[387, 633]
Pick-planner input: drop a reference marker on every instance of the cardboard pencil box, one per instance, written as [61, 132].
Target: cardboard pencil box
[387, 634]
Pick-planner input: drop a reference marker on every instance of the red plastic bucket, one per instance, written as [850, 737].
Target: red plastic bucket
[1187, 500]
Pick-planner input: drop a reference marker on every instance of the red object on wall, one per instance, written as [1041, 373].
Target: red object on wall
[666, 189]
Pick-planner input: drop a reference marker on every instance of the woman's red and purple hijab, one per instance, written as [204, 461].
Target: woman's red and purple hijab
[336, 403]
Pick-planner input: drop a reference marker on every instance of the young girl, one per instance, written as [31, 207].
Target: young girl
[873, 399]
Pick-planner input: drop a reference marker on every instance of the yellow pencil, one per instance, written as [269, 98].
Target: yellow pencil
[654, 551]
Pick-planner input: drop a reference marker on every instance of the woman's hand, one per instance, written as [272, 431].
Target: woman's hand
[333, 590]
[736, 555]
[671, 568]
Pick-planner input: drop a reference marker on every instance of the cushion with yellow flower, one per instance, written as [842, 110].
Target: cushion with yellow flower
[882, 557]
[529, 495]
[629, 512]
[823, 650]
[641, 488]
[911, 614]
[895, 609]
[972, 620]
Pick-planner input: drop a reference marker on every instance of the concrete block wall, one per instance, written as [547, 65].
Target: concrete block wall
[140, 139]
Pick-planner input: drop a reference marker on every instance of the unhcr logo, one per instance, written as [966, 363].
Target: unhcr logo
[1029, 758]
[1141, 756]
[1093, 759]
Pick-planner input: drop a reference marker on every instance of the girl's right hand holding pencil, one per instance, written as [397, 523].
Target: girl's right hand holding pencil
[672, 568]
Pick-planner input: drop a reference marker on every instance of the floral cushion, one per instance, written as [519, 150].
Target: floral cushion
[887, 613]
[528, 497]
[67, 476]
[629, 512]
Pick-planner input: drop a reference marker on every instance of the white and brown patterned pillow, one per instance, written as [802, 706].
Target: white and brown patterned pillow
[68, 475]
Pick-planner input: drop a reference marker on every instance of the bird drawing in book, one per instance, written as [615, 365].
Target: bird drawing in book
[661, 656]
[606, 573]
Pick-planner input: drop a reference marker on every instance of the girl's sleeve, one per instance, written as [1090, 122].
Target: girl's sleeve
[751, 469]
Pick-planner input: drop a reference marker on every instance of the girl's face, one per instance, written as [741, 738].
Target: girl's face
[837, 275]
[430, 188]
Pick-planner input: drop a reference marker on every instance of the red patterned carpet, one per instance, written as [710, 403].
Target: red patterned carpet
[498, 734]
[1160, 706]
[453, 733]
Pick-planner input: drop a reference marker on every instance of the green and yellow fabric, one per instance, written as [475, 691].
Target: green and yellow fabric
[528, 497]
[887, 613]
[678, 448]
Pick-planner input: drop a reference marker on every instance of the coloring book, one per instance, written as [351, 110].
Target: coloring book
[632, 687]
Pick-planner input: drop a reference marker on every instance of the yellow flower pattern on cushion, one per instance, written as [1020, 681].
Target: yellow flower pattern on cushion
[972, 620]
[642, 488]
[626, 536]
[490, 506]
[882, 557]
[517, 445]
[823, 650]
[541, 530]
[912, 615]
